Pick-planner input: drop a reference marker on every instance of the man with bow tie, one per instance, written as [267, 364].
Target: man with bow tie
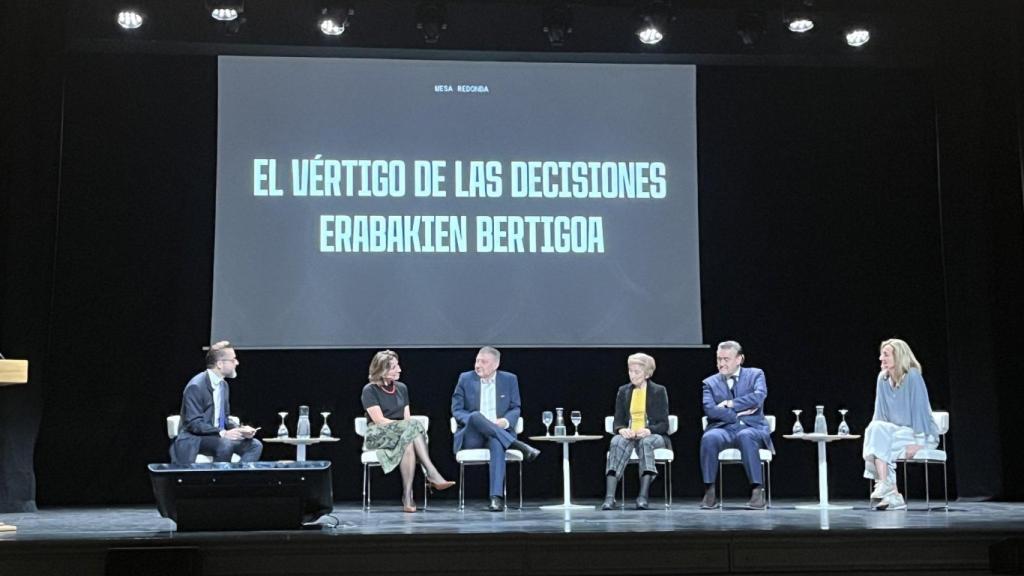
[734, 405]
[486, 407]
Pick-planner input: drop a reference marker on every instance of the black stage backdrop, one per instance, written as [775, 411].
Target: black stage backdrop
[820, 236]
[838, 207]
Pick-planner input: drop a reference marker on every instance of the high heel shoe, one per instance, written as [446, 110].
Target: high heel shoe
[442, 485]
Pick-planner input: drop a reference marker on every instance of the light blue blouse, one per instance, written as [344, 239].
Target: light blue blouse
[907, 405]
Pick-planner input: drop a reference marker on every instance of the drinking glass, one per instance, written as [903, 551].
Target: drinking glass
[547, 417]
[282, 430]
[844, 428]
[325, 430]
[798, 428]
[576, 417]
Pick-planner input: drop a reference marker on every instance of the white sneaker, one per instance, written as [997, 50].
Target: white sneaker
[892, 501]
[882, 489]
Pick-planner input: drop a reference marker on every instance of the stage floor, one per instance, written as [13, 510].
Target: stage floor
[783, 539]
[443, 518]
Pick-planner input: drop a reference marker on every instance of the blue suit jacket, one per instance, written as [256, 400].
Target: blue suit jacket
[466, 400]
[197, 417]
[749, 392]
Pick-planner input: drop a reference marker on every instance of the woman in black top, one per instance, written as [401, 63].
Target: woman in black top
[398, 439]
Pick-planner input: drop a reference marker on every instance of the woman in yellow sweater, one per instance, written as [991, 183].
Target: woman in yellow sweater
[641, 424]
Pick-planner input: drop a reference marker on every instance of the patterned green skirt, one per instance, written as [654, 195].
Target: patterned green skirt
[390, 441]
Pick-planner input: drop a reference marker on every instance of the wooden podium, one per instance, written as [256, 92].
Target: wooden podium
[12, 372]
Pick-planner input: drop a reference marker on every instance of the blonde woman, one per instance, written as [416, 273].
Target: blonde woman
[640, 424]
[902, 424]
[399, 440]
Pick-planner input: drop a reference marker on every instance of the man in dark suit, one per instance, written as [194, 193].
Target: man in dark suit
[486, 407]
[205, 406]
[734, 404]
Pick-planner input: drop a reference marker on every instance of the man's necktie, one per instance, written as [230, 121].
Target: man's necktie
[220, 412]
[732, 387]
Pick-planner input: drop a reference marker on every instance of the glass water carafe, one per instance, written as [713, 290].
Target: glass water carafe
[302, 428]
[820, 425]
[559, 422]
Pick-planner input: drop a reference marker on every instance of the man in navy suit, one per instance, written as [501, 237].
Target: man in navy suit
[734, 404]
[205, 406]
[486, 407]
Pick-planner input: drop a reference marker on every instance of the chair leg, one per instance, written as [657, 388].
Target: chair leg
[945, 486]
[369, 489]
[462, 486]
[366, 503]
[426, 486]
[622, 482]
[906, 492]
[520, 484]
[768, 481]
[666, 473]
[927, 489]
[721, 487]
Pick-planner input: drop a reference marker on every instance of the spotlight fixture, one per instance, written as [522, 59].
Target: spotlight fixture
[225, 11]
[653, 21]
[431, 19]
[557, 24]
[334, 20]
[800, 25]
[800, 17]
[857, 37]
[750, 27]
[129, 19]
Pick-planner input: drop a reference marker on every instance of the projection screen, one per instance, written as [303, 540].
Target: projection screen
[404, 203]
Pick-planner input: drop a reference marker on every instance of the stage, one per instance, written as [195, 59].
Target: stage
[969, 538]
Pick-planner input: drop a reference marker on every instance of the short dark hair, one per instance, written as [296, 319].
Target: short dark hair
[217, 352]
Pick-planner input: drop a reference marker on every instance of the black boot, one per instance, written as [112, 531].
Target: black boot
[529, 452]
[610, 484]
[645, 489]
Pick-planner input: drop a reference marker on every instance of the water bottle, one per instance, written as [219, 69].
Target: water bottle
[559, 422]
[820, 426]
[302, 428]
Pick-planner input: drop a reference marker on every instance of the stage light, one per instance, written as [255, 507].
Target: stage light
[557, 24]
[225, 11]
[750, 27]
[800, 19]
[334, 21]
[431, 19]
[129, 19]
[653, 22]
[858, 37]
[801, 25]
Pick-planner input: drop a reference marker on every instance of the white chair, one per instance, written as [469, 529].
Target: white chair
[733, 456]
[934, 456]
[369, 459]
[663, 456]
[174, 425]
[481, 456]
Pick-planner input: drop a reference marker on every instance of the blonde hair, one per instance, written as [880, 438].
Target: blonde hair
[380, 365]
[903, 359]
[644, 361]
